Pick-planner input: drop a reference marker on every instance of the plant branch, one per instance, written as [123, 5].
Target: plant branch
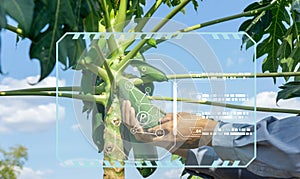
[233, 106]
[213, 22]
[149, 14]
[124, 63]
[93, 98]
[121, 16]
[141, 24]
[138, 81]
[65, 88]
[97, 71]
[112, 44]
[14, 29]
[232, 75]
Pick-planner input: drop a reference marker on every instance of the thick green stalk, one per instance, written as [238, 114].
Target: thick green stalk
[233, 75]
[228, 18]
[97, 71]
[216, 21]
[124, 63]
[43, 89]
[16, 30]
[93, 98]
[233, 106]
[113, 143]
[147, 16]
[121, 16]
[138, 81]
[142, 22]
[112, 44]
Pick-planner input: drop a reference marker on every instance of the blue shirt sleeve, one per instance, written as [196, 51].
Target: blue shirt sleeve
[278, 147]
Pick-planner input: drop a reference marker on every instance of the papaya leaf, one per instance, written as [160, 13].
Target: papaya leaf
[145, 172]
[273, 24]
[175, 157]
[149, 72]
[183, 173]
[289, 90]
[143, 107]
[21, 11]
[44, 51]
[3, 21]
[195, 4]
[86, 84]
[140, 103]
[98, 129]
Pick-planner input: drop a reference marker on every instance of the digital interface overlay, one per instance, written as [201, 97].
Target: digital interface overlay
[202, 83]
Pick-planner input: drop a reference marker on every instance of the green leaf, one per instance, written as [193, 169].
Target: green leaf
[148, 72]
[272, 24]
[152, 42]
[44, 50]
[2, 16]
[98, 130]
[195, 4]
[91, 23]
[175, 157]
[66, 14]
[145, 172]
[70, 51]
[40, 18]
[140, 103]
[183, 173]
[289, 90]
[21, 11]
[143, 107]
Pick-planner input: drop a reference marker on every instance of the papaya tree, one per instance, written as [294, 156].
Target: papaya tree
[105, 84]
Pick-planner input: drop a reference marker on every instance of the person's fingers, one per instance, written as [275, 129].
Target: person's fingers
[127, 112]
[166, 118]
[133, 120]
[165, 127]
[123, 112]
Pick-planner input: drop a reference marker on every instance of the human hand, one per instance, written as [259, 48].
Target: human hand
[181, 131]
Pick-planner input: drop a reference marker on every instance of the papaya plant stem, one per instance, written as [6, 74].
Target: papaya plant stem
[113, 46]
[15, 30]
[97, 71]
[138, 81]
[232, 75]
[216, 21]
[149, 14]
[233, 106]
[124, 63]
[66, 88]
[94, 98]
[141, 24]
[228, 18]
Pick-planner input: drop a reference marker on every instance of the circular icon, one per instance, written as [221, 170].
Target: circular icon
[148, 90]
[160, 132]
[133, 130]
[144, 69]
[128, 86]
[143, 117]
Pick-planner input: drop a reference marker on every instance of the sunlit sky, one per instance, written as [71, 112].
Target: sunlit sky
[30, 121]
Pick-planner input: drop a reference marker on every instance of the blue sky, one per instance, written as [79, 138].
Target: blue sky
[31, 121]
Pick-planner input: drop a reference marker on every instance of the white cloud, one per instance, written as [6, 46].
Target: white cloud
[29, 173]
[229, 62]
[268, 99]
[74, 127]
[28, 114]
[173, 173]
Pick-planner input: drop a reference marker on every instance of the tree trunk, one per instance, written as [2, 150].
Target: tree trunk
[113, 145]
